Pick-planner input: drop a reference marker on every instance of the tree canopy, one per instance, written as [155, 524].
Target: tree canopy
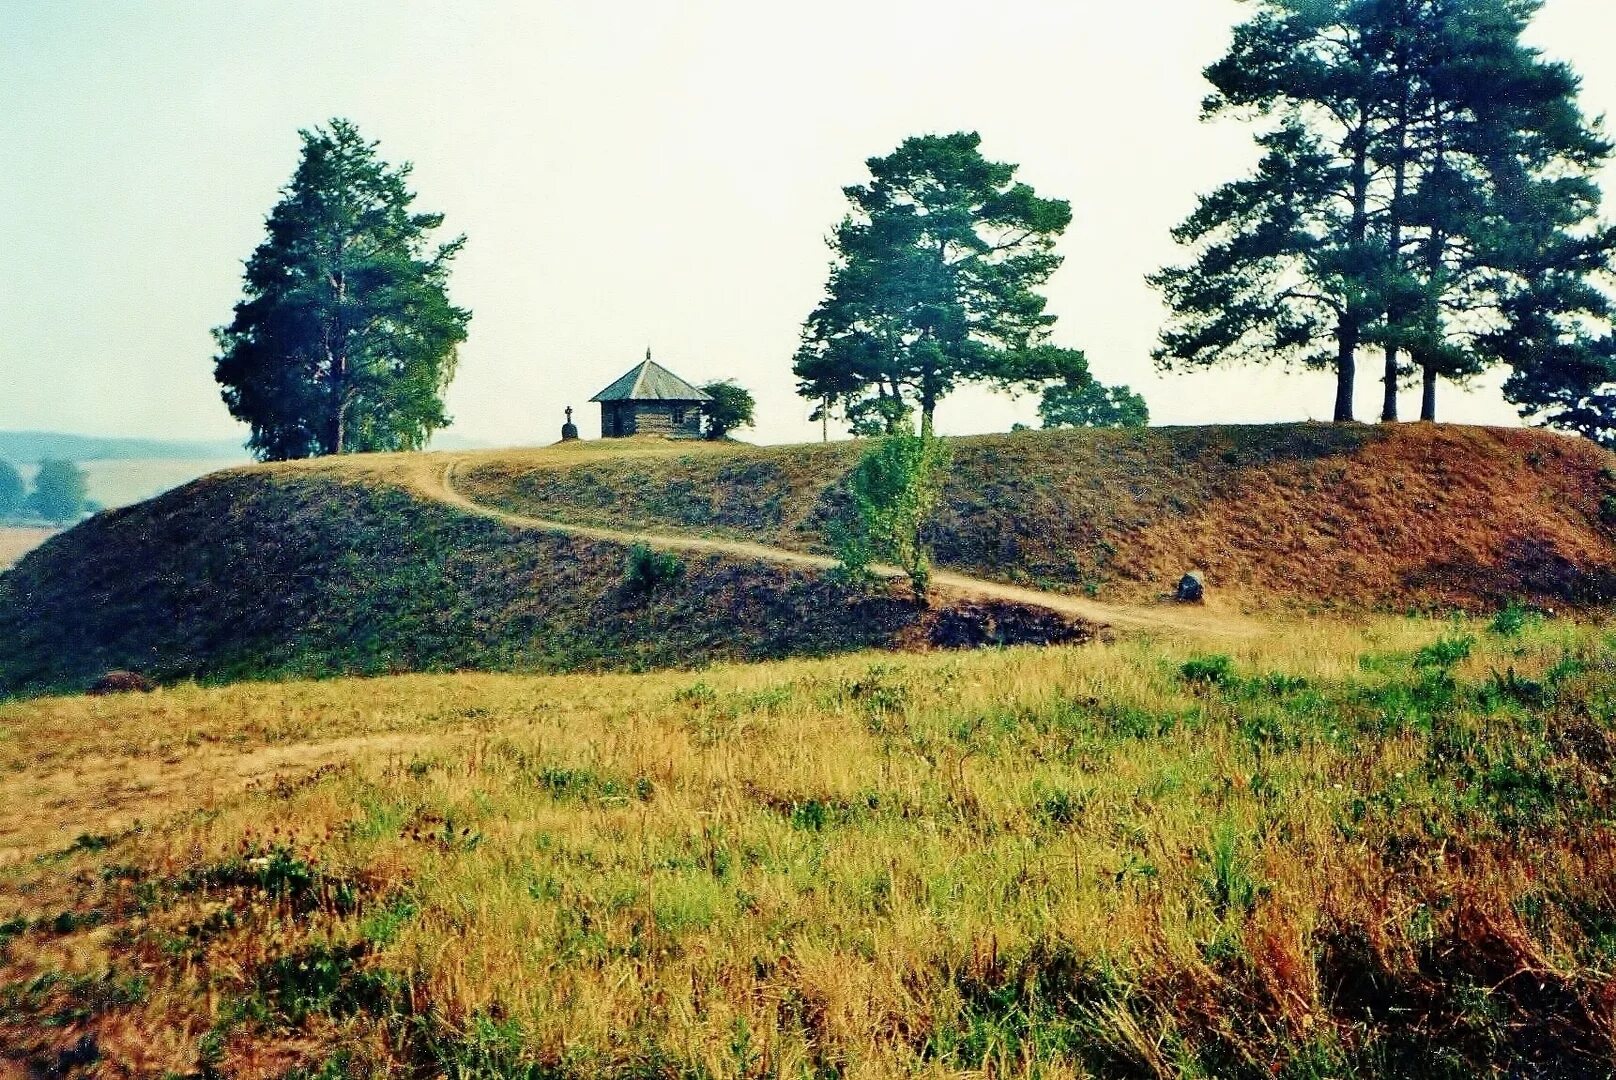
[933, 285]
[60, 490]
[345, 339]
[12, 490]
[731, 408]
[1092, 404]
[1420, 168]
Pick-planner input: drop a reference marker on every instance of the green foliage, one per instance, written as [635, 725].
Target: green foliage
[11, 489]
[346, 339]
[1092, 404]
[933, 285]
[60, 488]
[895, 487]
[1400, 201]
[1513, 619]
[1231, 880]
[730, 409]
[1445, 652]
[648, 569]
[1207, 670]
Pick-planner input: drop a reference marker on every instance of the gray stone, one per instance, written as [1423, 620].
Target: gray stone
[1191, 588]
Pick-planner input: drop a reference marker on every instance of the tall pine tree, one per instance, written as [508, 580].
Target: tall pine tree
[346, 339]
[1420, 167]
[933, 285]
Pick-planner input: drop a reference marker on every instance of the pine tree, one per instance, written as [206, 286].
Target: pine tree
[346, 338]
[933, 285]
[1501, 166]
[1289, 265]
[1420, 166]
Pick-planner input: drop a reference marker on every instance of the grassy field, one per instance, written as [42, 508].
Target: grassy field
[1337, 850]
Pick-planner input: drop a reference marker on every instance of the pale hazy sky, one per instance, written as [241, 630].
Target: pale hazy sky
[629, 174]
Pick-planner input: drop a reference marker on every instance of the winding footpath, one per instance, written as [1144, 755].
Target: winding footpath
[1199, 622]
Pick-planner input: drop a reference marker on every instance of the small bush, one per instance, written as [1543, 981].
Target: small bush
[648, 569]
[1207, 670]
[1445, 652]
[1513, 619]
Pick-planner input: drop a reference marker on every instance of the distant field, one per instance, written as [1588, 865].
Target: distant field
[123, 482]
[15, 543]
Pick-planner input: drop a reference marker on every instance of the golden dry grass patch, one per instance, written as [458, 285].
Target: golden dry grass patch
[15, 542]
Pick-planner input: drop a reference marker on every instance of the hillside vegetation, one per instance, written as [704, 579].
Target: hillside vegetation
[1297, 515]
[1336, 852]
[338, 567]
[361, 566]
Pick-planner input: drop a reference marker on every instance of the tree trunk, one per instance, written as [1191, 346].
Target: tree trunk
[1394, 212]
[1346, 369]
[1428, 396]
[1388, 406]
[1348, 327]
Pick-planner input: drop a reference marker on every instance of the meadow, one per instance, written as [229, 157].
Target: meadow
[1373, 848]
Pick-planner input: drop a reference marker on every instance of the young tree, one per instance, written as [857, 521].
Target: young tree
[933, 285]
[346, 338]
[730, 409]
[12, 490]
[60, 488]
[895, 487]
[1092, 404]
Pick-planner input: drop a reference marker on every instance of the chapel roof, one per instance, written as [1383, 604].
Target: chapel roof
[650, 381]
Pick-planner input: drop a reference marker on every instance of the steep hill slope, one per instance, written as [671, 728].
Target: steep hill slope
[1299, 515]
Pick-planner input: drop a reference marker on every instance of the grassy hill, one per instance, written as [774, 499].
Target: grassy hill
[1306, 515]
[352, 567]
[338, 568]
[1377, 851]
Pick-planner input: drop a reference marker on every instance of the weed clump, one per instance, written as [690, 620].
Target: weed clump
[648, 570]
[1207, 670]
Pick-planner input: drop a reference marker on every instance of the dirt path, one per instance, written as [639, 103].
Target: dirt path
[1202, 621]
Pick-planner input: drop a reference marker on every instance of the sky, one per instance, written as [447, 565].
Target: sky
[628, 174]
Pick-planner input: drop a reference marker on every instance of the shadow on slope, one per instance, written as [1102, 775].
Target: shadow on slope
[300, 571]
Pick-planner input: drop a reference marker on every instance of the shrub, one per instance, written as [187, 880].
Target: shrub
[1445, 652]
[1216, 668]
[1513, 619]
[648, 570]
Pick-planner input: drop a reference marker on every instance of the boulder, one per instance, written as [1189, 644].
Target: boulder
[122, 682]
[1191, 588]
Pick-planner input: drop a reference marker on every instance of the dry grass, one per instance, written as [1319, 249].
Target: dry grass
[15, 542]
[1330, 855]
[1277, 515]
